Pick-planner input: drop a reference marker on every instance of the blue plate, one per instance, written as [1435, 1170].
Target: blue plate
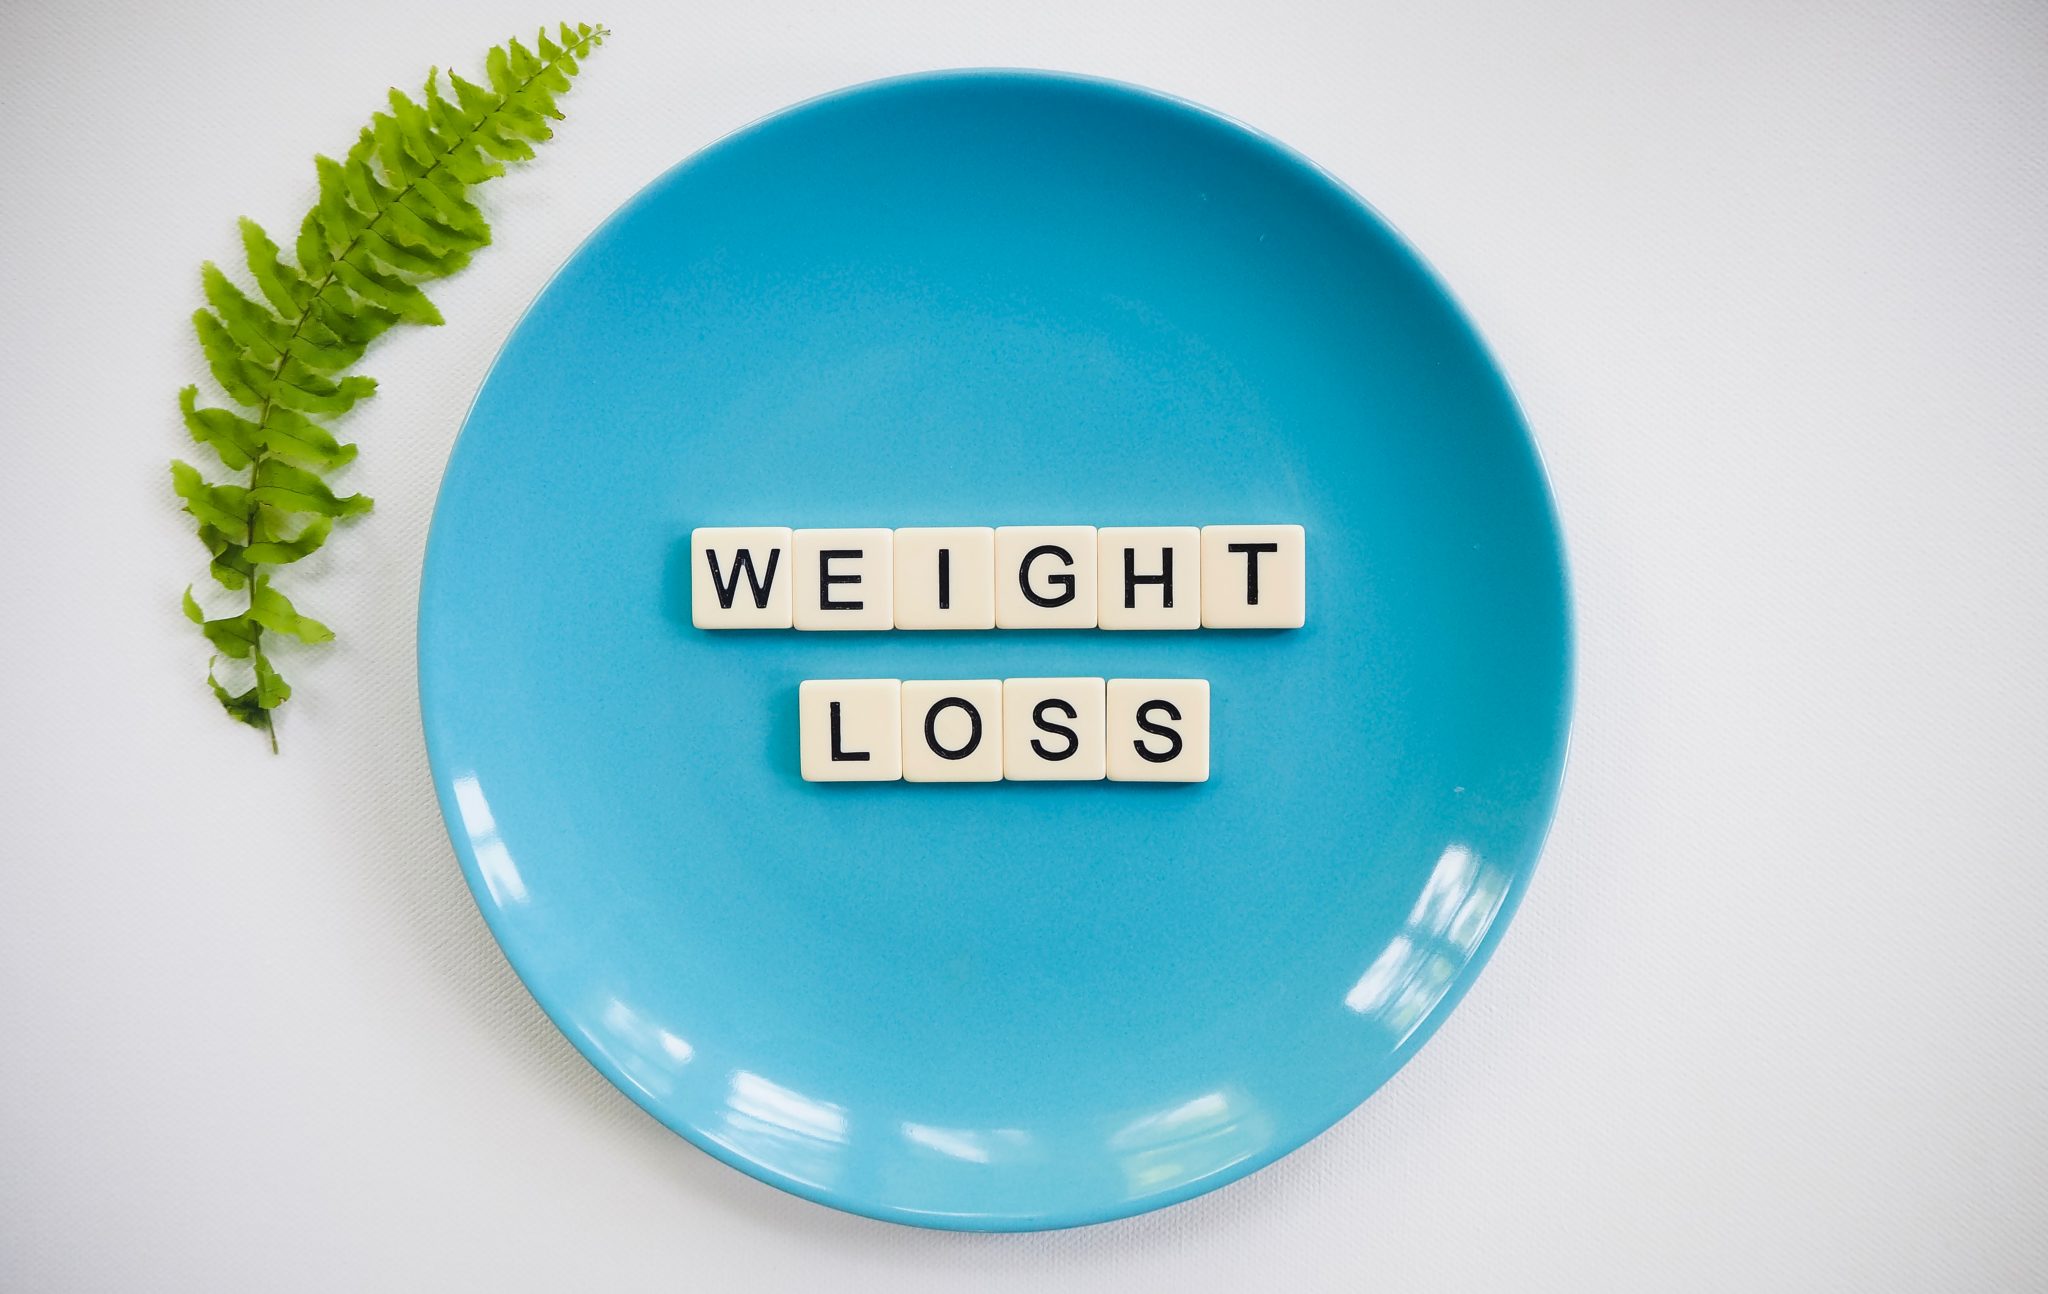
[995, 298]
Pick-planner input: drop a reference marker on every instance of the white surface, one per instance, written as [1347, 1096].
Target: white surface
[1773, 283]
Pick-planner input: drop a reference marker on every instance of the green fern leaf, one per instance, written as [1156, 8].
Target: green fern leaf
[247, 708]
[280, 486]
[273, 610]
[392, 213]
[237, 440]
[271, 691]
[260, 333]
[282, 285]
[387, 290]
[297, 439]
[224, 507]
[278, 552]
[301, 390]
[359, 183]
[229, 568]
[235, 636]
[310, 247]
[349, 319]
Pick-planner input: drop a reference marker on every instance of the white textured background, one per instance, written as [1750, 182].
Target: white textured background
[1773, 282]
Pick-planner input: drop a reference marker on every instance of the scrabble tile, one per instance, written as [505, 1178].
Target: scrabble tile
[850, 729]
[842, 579]
[1253, 577]
[740, 577]
[1149, 577]
[1045, 577]
[1158, 729]
[945, 577]
[953, 730]
[1053, 730]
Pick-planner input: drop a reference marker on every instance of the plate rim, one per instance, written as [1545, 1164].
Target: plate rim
[1358, 209]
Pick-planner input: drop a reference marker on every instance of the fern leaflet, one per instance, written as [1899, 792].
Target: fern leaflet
[393, 212]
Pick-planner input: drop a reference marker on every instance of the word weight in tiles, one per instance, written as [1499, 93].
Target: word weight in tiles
[945, 577]
[1008, 577]
[1045, 577]
[844, 579]
[739, 578]
[1149, 577]
[1254, 577]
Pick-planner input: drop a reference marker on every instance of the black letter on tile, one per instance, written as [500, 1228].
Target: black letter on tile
[945, 579]
[826, 579]
[1065, 582]
[1158, 730]
[1164, 579]
[1251, 568]
[743, 560]
[1038, 717]
[931, 728]
[849, 756]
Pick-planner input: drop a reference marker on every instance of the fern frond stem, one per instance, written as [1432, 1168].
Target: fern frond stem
[577, 49]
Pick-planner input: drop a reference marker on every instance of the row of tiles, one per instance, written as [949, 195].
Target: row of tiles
[1008, 577]
[1018, 729]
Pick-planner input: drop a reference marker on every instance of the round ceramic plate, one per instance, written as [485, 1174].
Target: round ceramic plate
[989, 299]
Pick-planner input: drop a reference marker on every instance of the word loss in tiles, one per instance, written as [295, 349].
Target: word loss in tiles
[1020, 729]
[953, 732]
[849, 729]
[1009, 577]
[1158, 730]
[1054, 730]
